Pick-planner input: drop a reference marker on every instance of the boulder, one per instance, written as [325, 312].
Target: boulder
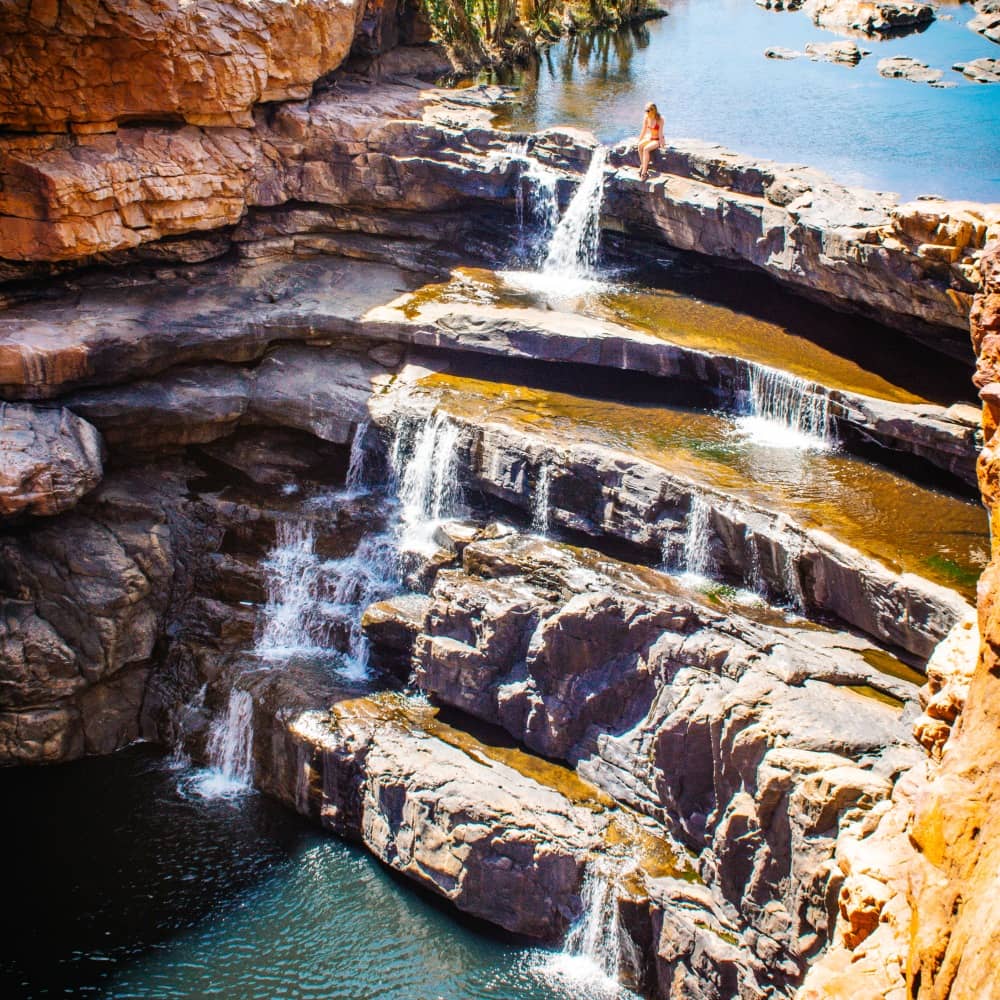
[980, 70]
[905, 68]
[207, 63]
[49, 458]
[82, 602]
[987, 19]
[882, 17]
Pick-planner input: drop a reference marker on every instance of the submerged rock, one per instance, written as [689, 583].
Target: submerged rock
[905, 68]
[980, 70]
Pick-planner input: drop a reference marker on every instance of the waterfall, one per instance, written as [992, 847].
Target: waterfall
[314, 605]
[292, 621]
[537, 208]
[576, 240]
[785, 411]
[697, 555]
[425, 465]
[540, 499]
[791, 584]
[230, 753]
[355, 483]
[591, 959]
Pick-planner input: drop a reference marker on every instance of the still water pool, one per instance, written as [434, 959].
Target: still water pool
[704, 65]
[117, 885]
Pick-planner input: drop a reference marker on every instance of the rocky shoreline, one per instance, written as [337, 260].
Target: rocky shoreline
[218, 337]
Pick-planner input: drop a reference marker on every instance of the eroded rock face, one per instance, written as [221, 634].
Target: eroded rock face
[83, 599]
[918, 913]
[392, 149]
[742, 737]
[49, 458]
[204, 63]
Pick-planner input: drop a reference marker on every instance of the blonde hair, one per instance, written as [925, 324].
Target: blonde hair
[652, 107]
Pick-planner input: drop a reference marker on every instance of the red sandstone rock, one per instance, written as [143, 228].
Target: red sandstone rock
[95, 62]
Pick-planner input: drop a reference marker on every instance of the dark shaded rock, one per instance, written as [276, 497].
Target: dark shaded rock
[49, 458]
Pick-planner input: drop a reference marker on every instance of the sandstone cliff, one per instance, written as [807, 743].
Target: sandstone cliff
[919, 910]
[93, 64]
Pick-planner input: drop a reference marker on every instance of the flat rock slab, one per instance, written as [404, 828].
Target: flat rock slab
[49, 458]
[980, 70]
[905, 68]
[106, 335]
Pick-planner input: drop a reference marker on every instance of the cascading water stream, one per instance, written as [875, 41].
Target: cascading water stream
[591, 959]
[425, 466]
[229, 772]
[540, 499]
[697, 554]
[785, 411]
[575, 243]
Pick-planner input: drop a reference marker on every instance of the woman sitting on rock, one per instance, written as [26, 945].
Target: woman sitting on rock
[650, 138]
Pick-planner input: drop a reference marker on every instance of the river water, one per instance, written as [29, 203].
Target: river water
[141, 891]
[704, 66]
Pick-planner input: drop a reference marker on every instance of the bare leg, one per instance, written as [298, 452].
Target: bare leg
[645, 151]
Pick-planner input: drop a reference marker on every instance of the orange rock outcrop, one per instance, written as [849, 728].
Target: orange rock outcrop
[919, 906]
[92, 63]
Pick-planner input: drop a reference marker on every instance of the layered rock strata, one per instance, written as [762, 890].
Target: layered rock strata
[749, 736]
[603, 492]
[918, 911]
[222, 313]
[395, 148]
[206, 63]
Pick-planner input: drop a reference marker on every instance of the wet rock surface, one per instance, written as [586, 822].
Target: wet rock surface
[49, 458]
[397, 149]
[603, 492]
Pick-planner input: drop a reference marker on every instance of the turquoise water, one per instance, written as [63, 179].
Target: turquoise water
[116, 885]
[704, 66]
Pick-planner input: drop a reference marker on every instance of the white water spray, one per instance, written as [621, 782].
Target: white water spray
[786, 411]
[425, 464]
[575, 243]
[540, 499]
[697, 553]
[230, 752]
[591, 960]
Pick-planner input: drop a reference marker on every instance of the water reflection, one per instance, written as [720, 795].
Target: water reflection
[704, 65]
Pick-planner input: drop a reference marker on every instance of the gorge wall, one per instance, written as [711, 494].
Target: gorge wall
[201, 269]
